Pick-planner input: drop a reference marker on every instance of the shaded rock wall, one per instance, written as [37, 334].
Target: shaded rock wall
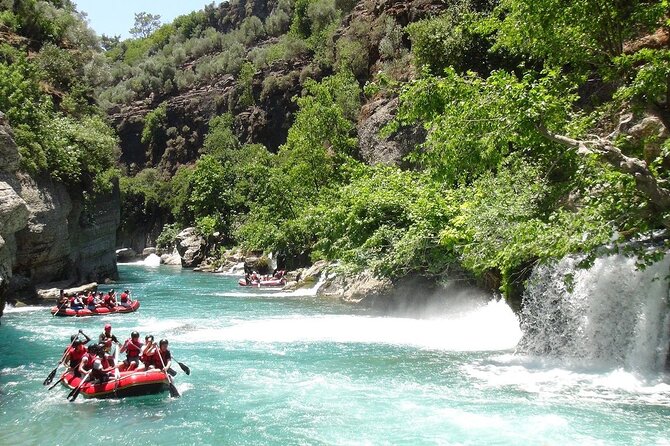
[49, 233]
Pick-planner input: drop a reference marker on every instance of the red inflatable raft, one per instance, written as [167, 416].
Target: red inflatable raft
[132, 383]
[134, 305]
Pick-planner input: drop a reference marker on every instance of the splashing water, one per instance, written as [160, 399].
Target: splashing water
[611, 314]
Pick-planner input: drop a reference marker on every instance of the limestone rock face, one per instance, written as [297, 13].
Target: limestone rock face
[191, 247]
[357, 288]
[390, 150]
[171, 259]
[49, 233]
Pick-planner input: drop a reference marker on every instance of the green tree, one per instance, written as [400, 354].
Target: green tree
[590, 32]
[145, 24]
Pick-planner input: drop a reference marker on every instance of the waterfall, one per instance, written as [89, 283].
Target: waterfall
[611, 313]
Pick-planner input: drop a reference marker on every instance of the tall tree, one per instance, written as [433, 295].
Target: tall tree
[145, 24]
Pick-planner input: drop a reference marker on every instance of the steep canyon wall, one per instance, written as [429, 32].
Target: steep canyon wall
[49, 233]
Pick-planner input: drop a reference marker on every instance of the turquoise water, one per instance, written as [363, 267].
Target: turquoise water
[279, 369]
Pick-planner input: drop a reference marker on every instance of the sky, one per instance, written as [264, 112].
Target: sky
[116, 17]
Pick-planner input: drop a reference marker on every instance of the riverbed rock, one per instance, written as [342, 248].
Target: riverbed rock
[146, 252]
[260, 264]
[191, 247]
[311, 275]
[125, 254]
[171, 259]
[356, 288]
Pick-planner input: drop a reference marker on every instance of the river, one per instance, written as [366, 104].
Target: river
[273, 368]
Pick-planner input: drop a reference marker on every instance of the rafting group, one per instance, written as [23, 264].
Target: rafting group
[94, 303]
[253, 279]
[97, 373]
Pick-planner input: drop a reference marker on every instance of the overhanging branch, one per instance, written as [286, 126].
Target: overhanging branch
[607, 152]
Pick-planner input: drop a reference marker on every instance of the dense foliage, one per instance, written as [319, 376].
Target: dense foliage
[509, 93]
[46, 92]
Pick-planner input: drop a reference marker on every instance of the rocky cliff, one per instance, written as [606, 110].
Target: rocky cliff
[268, 119]
[49, 233]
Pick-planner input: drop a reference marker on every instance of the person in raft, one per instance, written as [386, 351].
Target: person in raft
[125, 298]
[109, 300]
[132, 347]
[77, 303]
[163, 357]
[106, 338]
[148, 351]
[76, 352]
[97, 363]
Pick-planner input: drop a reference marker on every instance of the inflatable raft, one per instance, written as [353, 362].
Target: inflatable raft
[134, 305]
[146, 382]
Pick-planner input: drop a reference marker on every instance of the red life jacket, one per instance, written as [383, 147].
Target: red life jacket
[124, 298]
[89, 361]
[76, 354]
[147, 359]
[132, 349]
[90, 300]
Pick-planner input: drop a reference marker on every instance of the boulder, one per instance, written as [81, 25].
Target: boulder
[311, 275]
[364, 286]
[191, 247]
[171, 259]
[146, 252]
[125, 254]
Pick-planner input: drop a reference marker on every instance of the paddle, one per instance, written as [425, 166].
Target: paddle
[117, 374]
[57, 382]
[174, 393]
[75, 392]
[183, 366]
[51, 375]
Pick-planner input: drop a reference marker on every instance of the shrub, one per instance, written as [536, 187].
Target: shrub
[155, 125]
[166, 240]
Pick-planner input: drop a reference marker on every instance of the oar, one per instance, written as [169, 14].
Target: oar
[75, 392]
[183, 366]
[51, 375]
[57, 382]
[117, 374]
[174, 393]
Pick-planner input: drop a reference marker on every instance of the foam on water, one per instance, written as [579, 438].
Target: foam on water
[492, 326]
[9, 309]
